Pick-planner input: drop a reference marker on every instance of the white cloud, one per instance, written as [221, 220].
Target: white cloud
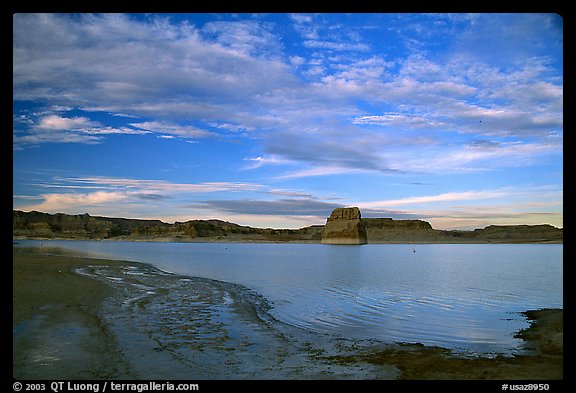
[55, 122]
[75, 202]
[297, 60]
[247, 37]
[259, 161]
[400, 119]
[157, 186]
[21, 140]
[444, 197]
[173, 129]
[106, 130]
[57, 129]
[336, 45]
[301, 18]
[318, 171]
[475, 156]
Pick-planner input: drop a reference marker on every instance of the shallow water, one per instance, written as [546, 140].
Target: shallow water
[179, 327]
[459, 296]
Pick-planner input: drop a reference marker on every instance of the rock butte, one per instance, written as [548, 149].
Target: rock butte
[344, 226]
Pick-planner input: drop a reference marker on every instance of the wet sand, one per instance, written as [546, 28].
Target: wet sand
[81, 318]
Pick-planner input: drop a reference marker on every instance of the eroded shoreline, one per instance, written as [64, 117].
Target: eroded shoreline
[125, 320]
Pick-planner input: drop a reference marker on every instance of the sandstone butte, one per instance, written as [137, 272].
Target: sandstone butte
[344, 226]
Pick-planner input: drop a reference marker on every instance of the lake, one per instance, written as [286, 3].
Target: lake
[465, 297]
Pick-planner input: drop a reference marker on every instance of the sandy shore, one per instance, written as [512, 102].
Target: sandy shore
[60, 332]
[57, 330]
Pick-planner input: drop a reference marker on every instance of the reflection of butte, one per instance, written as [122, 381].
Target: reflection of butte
[344, 226]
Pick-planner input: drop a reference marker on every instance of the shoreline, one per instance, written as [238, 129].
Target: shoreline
[52, 301]
[232, 239]
[542, 360]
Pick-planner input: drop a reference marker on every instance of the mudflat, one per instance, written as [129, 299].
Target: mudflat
[59, 333]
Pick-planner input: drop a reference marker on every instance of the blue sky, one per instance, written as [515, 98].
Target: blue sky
[274, 120]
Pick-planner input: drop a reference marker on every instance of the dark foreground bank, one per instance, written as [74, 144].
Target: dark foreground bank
[81, 318]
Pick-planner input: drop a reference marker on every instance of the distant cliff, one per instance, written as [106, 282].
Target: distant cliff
[514, 233]
[387, 230]
[37, 225]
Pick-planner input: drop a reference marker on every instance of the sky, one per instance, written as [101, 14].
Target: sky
[274, 120]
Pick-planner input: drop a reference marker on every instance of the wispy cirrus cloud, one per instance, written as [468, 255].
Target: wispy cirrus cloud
[116, 183]
[54, 128]
[444, 197]
[175, 130]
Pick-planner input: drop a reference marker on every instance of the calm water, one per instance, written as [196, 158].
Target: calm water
[459, 296]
